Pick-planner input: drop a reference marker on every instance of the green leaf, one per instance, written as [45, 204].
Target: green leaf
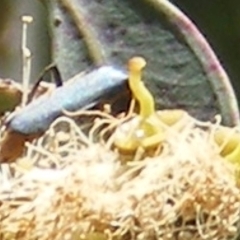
[182, 71]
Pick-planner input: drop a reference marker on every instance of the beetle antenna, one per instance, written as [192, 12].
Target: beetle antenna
[56, 76]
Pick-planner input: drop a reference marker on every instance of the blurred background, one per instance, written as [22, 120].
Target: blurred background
[11, 12]
[218, 20]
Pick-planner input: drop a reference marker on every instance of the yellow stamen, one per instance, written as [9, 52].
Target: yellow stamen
[145, 131]
[140, 92]
[227, 138]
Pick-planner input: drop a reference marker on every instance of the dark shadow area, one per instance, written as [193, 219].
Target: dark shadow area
[219, 21]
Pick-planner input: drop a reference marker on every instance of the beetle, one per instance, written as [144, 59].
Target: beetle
[83, 91]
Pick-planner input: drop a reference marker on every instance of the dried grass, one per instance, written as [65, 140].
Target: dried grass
[75, 187]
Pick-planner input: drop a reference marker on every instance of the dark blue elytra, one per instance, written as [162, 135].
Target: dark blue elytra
[83, 91]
